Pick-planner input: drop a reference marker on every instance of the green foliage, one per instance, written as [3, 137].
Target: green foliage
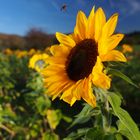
[132, 70]
[121, 75]
[27, 113]
[5, 72]
[43, 103]
[24, 105]
[50, 136]
[102, 127]
[126, 125]
[79, 134]
[85, 115]
[54, 117]
[94, 133]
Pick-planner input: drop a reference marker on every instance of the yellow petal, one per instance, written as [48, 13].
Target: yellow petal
[113, 55]
[109, 44]
[110, 26]
[81, 24]
[56, 93]
[77, 90]
[55, 78]
[90, 24]
[75, 36]
[67, 92]
[70, 100]
[100, 20]
[98, 67]
[57, 50]
[101, 80]
[113, 41]
[57, 72]
[65, 39]
[56, 87]
[51, 70]
[56, 60]
[73, 100]
[88, 95]
[68, 97]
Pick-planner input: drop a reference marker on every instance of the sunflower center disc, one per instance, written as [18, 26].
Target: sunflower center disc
[82, 59]
[39, 63]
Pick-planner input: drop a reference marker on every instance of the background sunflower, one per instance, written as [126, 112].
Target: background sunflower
[37, 61]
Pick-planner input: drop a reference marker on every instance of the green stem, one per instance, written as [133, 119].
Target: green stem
[106, 120]
[102, 99]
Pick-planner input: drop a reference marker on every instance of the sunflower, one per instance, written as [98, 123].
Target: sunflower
[127, 48]
[76, 65]
[31, 52]
[8, 51]
[21, 53]
[37, 61]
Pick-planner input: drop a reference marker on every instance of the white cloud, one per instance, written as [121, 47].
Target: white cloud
[135, 6]
[129, 7]
[126, 7]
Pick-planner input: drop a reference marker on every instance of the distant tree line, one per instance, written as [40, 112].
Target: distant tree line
[131, 38]
[35, 38]
[38, 39]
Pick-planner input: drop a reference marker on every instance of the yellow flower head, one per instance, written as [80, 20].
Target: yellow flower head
[38, 62]
[76, 64]
[8, 51]
[127, 48]
[38, 52]
[20, 53]
[31, 52]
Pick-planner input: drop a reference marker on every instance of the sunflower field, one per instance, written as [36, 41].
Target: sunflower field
[83, 86]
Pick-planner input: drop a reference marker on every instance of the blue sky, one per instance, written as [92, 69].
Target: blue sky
[18, 16]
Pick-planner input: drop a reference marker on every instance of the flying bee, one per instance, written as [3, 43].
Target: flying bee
[64, 7]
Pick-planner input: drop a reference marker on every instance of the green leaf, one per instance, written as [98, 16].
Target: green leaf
[66, 118]
[95, 134]
[127, 126]
[54, 117]
[118, 137]
[114, 100]
[50, 136]
[77, 135]
[84, 115]
[121, 75]
[42, 104]
[123, 131]
[109, 137]
[80, 120]
[85, 111]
